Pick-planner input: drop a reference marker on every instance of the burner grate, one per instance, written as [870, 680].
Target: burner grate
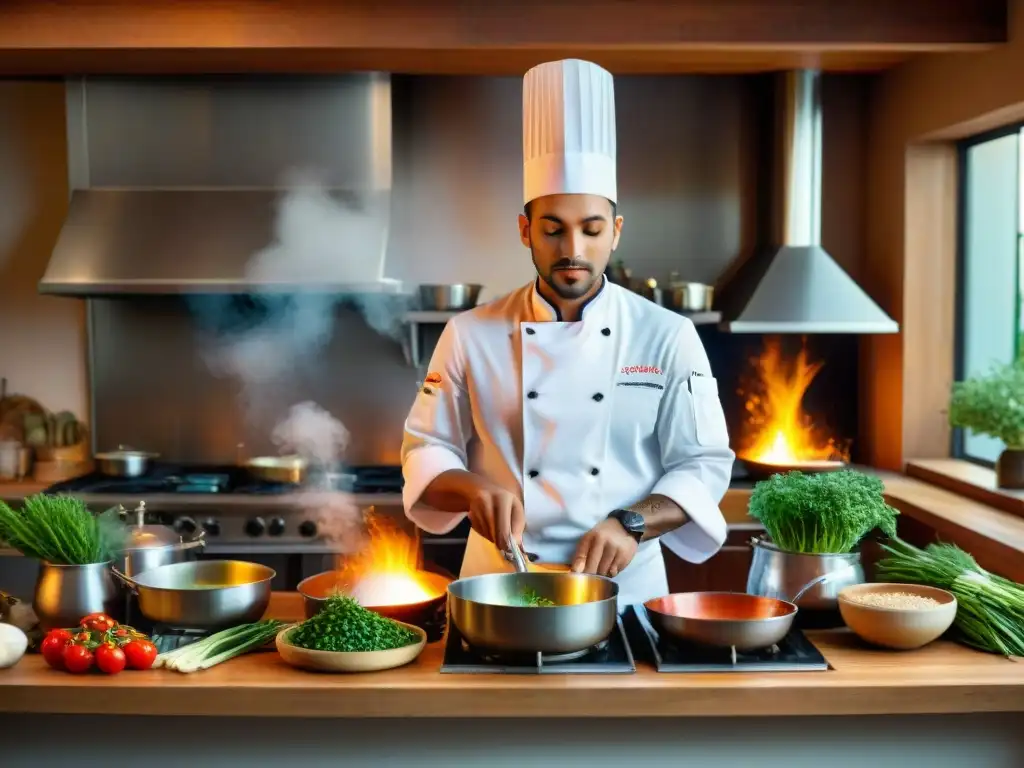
[611, 656]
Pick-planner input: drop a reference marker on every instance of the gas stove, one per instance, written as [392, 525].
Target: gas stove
[612, 656]
[192, 479]
[794, 653]
[236, 512]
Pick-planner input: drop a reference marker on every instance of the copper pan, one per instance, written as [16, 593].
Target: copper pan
[722, 619]
[757, 470]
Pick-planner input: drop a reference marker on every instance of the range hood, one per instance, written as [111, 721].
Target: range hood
[795, 286]
[216, 193]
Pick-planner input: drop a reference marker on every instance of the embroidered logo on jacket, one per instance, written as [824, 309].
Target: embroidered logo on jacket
[432, 378]
[629, 370]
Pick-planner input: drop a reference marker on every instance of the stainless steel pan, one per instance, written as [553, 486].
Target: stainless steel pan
[489, 612]
[208, 594]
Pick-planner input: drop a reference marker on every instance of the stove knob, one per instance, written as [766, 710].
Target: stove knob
[212, 527]
[275, 527]
[255, 527]
[185, 525]
[308, 529]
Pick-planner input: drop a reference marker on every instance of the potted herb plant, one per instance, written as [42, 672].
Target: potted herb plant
[993, 404]
[814, 525]
[75, 549]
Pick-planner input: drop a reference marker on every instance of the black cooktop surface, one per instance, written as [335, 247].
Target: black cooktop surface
[204, 479]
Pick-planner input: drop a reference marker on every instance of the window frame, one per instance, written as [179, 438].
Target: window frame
[957, 441]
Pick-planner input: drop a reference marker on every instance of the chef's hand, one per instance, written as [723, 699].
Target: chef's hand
[605, 550]
[494, 512]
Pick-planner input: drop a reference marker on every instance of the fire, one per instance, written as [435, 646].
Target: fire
[387, 570]
[779, 431]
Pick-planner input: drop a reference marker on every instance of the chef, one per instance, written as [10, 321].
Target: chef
[572, 414]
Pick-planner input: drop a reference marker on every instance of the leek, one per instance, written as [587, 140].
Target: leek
[220, 647]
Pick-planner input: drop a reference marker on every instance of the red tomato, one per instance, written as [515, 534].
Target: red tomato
[77, 659]
[98, 622]
[110, 659]
[52, 648]
[140, 654]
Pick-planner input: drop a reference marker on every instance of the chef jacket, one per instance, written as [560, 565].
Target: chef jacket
[577, 419]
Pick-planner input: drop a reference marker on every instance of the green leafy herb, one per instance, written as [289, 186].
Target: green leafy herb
[825, 513]
[62, 530]
[992, 404]
[344, 625]
[990, 609]
[530, 599]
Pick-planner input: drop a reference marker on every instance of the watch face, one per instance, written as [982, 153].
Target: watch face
[633, 522]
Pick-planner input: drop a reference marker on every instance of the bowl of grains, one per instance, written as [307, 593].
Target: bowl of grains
[898, 616]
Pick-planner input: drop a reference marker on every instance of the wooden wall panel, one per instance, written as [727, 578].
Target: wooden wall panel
[472, 36]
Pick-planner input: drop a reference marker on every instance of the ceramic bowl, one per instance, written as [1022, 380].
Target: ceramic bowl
[897, 628]
[356, 661]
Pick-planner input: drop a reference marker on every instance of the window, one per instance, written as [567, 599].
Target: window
[989, 270]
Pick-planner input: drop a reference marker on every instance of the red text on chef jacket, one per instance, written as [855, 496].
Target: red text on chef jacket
[630, 369]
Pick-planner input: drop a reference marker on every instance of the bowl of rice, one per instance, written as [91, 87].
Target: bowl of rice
[898, 616]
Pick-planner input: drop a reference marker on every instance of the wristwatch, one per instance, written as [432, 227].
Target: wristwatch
[632, 521]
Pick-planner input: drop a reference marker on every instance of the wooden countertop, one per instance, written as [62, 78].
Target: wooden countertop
[941, 678]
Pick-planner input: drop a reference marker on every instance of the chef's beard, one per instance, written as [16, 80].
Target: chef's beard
[567, 290]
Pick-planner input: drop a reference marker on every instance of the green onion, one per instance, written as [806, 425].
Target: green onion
[990, 608]
[219, 647]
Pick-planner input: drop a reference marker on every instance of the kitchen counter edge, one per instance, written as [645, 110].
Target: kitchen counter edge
[939, 679]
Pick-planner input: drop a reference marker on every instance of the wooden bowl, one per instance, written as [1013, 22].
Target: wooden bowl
[897, 628]
[356, 661]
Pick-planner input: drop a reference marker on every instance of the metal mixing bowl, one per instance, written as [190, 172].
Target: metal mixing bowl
[455, 297]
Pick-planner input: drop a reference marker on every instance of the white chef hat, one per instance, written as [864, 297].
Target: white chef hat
[568, 130]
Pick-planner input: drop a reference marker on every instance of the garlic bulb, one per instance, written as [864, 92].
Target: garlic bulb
[13, 644]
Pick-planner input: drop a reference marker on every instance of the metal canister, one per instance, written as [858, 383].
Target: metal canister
[782, 575]
[66, 593]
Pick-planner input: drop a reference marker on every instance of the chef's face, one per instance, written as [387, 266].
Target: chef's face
[571, 238]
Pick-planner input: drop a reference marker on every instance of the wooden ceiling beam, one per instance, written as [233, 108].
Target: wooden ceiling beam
[47, 37]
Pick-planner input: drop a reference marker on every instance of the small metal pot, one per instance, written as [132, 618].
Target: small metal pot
[124, 462]
[688, 297]
[66, 593]
[150, 546]
[278, 469]
[787, 575]
[208, 594]
[456, 297]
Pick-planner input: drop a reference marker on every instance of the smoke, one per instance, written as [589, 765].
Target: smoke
[267, 339]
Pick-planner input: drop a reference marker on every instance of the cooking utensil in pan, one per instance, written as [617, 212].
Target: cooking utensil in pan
[278, 469]
[490, 611]
[207, 594]
[734, 620]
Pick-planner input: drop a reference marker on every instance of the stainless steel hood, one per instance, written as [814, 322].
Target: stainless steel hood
[796, 286]
[227, 186]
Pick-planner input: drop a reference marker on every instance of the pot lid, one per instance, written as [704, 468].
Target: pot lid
[142, 536]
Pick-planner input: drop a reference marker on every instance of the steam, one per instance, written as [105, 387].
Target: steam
[266, 339]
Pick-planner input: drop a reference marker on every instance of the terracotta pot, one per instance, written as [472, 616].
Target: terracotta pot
[1010, 469]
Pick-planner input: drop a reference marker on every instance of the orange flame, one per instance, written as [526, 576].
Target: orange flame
[778, 430]
[387, 570]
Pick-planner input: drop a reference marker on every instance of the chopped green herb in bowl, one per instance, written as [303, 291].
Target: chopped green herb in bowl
[344, 626]
[529, 598]
[345, 637]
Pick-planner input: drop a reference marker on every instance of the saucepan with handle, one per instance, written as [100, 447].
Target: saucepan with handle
[728, 619]
[533, 611]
